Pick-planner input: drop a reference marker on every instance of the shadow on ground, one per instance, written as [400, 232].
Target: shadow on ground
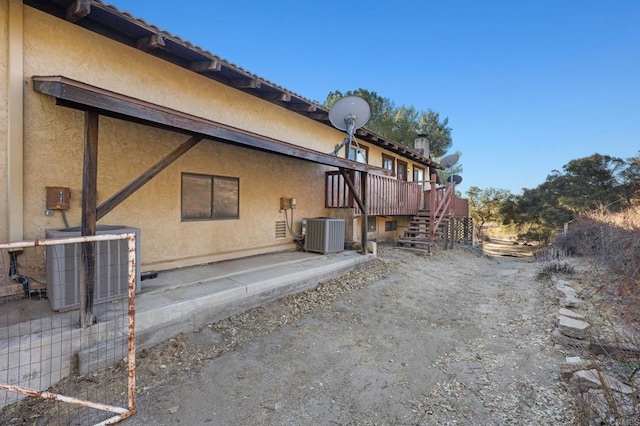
[508, 248]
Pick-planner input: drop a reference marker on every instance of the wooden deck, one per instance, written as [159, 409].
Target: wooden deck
[437, 214]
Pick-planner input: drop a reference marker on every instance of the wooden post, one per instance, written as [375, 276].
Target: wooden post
[364, 217]
[361, 200]
[451, 187]
[433, 200]
[89, 197]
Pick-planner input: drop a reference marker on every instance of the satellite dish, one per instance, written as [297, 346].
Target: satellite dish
[449, 160]
[457, 179]
[348, 114]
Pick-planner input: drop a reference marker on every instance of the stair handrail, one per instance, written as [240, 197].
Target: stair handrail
[443, 205]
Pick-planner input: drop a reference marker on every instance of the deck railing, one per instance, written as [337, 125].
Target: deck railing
[443, 206]
[385, 196]
[389, 197]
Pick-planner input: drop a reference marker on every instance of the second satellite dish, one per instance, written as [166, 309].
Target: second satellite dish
[449, 160]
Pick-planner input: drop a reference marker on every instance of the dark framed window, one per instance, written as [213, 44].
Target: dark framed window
[358, 153]
[371, 223]
[388, 162]
[206, 197]
[391, 225]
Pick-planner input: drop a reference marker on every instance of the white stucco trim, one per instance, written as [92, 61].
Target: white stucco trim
[15, 120]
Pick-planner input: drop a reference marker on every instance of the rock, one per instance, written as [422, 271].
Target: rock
[573, 364]
[571, 314]
[173, 409]
[573, 328]
[594, 380]
[571, 298]
[561, 339]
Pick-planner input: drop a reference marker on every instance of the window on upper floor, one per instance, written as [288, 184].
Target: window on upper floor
[402, 171]
[206, 197]
[418, 174]
[388, 163]
[358, 153]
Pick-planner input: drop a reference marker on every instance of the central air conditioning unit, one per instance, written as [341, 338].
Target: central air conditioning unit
[111, 269]
[324, 235]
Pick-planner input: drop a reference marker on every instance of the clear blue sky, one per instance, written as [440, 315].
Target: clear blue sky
[527, 85]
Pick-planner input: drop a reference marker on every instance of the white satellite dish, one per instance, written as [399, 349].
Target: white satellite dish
[449, 160]
[349, 114]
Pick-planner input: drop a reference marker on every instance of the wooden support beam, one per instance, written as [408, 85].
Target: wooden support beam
[246, 83]
[206, 66]
[352, 188]
[89, 197]
[361, 200]
[78, 10]
[303, 107]
[364, 218]
[319, 116]
[282, 97]
[81, 96]
[433, 203]
[154, 41]
[145, 177]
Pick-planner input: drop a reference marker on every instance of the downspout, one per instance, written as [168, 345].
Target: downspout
[15, 121]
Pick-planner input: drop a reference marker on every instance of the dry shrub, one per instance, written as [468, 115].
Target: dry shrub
[555, 267]
[612, 242]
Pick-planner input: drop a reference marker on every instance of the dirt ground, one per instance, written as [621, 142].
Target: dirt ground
[454, 338]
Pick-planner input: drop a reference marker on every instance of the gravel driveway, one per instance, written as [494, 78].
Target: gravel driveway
[455, 338]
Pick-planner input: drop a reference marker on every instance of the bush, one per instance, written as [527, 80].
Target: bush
[549, 269]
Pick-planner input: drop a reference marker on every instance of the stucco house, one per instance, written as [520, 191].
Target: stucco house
[130, 125]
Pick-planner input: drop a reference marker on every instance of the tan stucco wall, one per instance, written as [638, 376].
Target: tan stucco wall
[53, 141]
[54, 149]
[4, 75]
[57, 47]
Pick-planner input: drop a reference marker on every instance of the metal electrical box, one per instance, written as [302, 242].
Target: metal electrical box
[324, 235]
[63, 267]
[58, 198]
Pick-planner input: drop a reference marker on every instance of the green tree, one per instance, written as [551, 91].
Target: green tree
[537, 213]
[630, 179]
[486, 205]
[438, 132]
[589, 183]
[402, 124]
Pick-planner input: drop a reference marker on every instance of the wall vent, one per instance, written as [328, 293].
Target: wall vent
[324, 235]
[281, 230]
[111, 273]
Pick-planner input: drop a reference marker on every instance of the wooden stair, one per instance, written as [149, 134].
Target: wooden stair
[417, 237]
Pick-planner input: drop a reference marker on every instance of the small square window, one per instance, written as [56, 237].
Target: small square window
[371, 223]
[391, 225]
